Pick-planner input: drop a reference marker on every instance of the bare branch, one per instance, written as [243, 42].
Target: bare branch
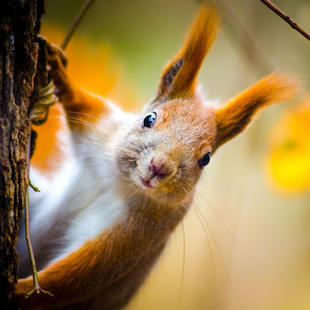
[286, 18]
[76, 22]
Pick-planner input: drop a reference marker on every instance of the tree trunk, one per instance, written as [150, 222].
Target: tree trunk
[19, 26]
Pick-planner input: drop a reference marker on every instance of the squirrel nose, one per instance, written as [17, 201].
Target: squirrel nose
[158, 168]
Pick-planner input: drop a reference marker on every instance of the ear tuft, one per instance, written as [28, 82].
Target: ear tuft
[179, 76]
[234, 117]
[169, 76]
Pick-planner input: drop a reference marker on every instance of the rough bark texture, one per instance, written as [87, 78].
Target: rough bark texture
[19, 25]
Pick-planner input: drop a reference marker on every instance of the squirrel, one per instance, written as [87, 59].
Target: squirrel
[101, 225]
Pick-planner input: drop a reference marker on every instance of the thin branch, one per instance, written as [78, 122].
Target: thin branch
[29, 245]
[27, 227]
[76, 22]
[36, 189]
[286, 18]
[37, 289]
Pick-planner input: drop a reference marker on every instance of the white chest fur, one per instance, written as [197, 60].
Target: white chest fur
[78, 204]
[82, 200]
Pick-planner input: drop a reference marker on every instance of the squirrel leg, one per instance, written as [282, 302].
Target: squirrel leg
[44, 100]
[57, 70]
[76, 277]
[82, 107]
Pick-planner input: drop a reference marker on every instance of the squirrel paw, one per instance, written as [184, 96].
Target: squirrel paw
[37, 291]
[55, 53]
[57, 63]
[45, 98]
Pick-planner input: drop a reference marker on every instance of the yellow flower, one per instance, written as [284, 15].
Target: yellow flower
[288, 159]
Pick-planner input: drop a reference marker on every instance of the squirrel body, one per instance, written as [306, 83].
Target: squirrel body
[73, 200]
[130, 178]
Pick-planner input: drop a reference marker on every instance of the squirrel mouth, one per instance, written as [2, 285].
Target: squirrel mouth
[146, 183]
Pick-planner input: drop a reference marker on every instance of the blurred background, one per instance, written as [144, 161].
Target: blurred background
[245, 244]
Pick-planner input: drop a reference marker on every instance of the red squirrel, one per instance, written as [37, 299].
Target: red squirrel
[100, 226]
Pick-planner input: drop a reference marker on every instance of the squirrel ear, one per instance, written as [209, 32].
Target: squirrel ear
[179, 76]
[234, 117]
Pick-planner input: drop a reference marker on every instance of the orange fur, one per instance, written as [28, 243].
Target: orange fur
[238, 112]
[179, 77]
[115, 259]
[82, 108]
[81, 113]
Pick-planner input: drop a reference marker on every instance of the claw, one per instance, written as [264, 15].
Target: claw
[54, 50]
[38, 291]
[45, 99]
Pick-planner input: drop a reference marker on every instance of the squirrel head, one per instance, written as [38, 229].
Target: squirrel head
[167, 147]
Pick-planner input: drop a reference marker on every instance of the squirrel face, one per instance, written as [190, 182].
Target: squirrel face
[166, 149]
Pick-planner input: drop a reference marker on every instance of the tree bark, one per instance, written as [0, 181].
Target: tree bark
[19, 26]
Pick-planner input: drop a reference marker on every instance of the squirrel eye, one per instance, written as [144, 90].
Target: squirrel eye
[150, 120]
[203, 161]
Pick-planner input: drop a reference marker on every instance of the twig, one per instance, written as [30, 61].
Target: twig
[35, 188]
[29, 245]
[76, 22]
[27, 228]
[286, 18]
[36, 288]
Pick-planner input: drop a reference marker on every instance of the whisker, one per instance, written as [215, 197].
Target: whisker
[69, 117]
[183, 261]
[211, 254]
[230, 234]
[212, 208]
[216, 245]
[83, 114]
[78, 121]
